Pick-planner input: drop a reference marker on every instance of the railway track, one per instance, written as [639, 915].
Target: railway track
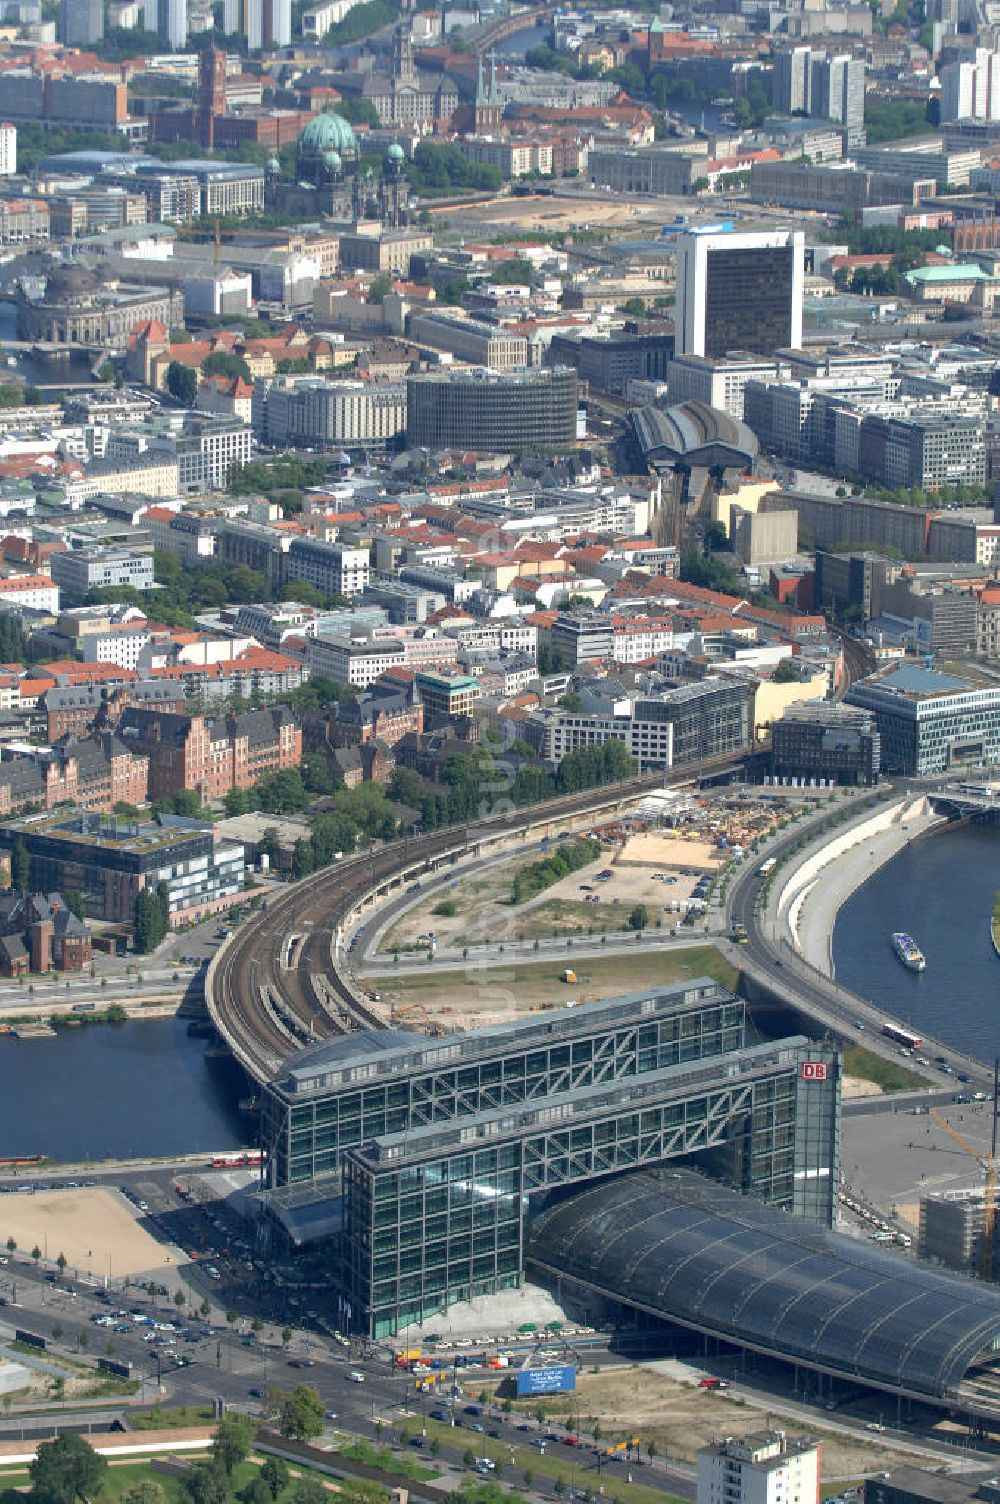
[275, 986]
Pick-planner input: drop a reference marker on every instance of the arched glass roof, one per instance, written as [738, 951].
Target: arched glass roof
[699, 1252]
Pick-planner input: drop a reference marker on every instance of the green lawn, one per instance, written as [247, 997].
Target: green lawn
[885, 1073]
[170, 1417]
[631, 971]
[386, 1460]
[121, 1477]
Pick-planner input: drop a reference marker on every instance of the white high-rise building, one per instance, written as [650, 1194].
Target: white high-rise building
[971, 91]
[739, 292]
[264, 23]
[8, 149]
[170, 19]
[762, 1468]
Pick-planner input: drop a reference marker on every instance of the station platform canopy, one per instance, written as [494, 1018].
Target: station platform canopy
[694, 1251]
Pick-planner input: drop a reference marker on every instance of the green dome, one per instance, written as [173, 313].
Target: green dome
[332, 160]
[326, 132]
[395, 153]
[273, 165]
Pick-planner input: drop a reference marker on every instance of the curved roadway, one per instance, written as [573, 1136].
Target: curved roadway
[777, 966]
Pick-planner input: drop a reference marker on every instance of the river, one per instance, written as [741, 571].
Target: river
[118, 1091]
[941, 889]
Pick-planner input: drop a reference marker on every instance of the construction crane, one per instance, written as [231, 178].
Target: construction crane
[988, 1161]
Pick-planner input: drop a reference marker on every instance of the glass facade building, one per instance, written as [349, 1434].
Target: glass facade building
[440, 1147]
[929, 722]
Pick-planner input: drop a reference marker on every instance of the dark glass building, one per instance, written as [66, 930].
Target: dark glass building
[497, 410]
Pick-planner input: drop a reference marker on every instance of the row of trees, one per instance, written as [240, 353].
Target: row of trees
[569, 856]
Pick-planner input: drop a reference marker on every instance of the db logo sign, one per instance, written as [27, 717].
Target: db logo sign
[814, 1070]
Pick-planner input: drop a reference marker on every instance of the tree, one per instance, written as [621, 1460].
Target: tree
[256, 1492]
[379, 288]
[222, 363]
[182, 382]
[20, 866]
[61, 1262]
[11, 1244]
[310, 1491]
[206, 1308]
[232, 1440]
[274, 1473]
[36, 1253]
[66, 1469]
[301, 1414]
[74, 901]
[146, 1491]
[207, 1483]
[180, 1299]
[638, 918]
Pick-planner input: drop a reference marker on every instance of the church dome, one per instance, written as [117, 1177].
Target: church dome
[395, 153]
[333, 161]
[326, 132]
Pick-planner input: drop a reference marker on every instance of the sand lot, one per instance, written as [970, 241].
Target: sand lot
[680, 1418]
[91, 1228]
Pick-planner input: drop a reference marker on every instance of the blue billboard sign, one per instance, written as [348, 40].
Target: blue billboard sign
[546, 1380]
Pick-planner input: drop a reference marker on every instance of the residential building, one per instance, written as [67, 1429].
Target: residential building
[39, 932]
[35, 591]
[739, 291]
[264, 23]
[170, 19]
[826, 742]
[79, 570]
[493, 410]
[931, 722]
[109, 860]
[580, 639]
[333, 568]
[971, 90]
[765, 1467]
[381, 714]
[838, 90]
[81, 22]
[211, 756]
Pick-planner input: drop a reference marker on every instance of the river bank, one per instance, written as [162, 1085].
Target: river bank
[816, 892]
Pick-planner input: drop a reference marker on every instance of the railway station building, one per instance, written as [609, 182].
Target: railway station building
[434, 1151]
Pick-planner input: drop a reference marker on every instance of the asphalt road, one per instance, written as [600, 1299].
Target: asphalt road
[218, 1364]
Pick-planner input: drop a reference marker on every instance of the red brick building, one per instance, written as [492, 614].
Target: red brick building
[211, 756]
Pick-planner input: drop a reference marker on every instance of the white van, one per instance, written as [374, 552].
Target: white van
[355, 1377]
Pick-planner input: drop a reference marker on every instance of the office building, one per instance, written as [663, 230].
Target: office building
[446, 695]
[739, 291]
[108, 859]
[642, 169]
[931, 722]
[826, 742]
[490, 410]
[311, 412]
[333, 568]
[717, 383]
[8, 149]
[611, 363]
[78, 570]
[81, 22]
[472, 340]
[439, 1153]
[766, 1467]
[354, 660]
[763, 537]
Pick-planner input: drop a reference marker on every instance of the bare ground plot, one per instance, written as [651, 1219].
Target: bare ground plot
[91, 1228]
[475, 997]
[679, 1418]
[596, 211]
[576, 905]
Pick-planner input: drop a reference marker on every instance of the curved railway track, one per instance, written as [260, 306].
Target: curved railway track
[275, 986]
